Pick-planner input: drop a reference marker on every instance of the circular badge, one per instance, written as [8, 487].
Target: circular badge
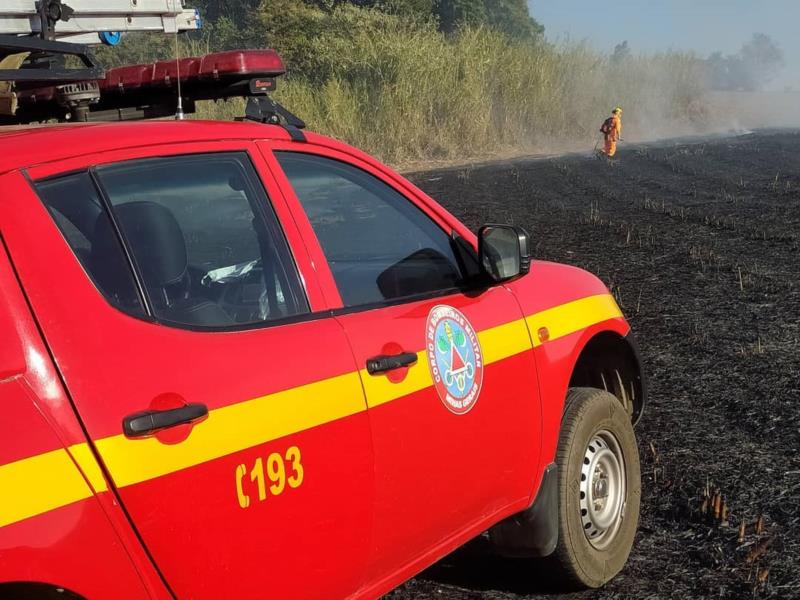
[454, 357]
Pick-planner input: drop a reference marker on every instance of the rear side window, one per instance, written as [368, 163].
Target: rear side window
[75, 205]
[196, 233]
[379, 245]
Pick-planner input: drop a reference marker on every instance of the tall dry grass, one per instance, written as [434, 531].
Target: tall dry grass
[406, 92]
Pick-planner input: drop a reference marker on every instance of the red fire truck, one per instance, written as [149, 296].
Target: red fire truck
[242, 360]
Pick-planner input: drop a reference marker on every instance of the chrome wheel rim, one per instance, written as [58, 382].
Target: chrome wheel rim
[602, 489]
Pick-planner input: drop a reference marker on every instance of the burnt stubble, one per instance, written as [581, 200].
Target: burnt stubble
[699, 242]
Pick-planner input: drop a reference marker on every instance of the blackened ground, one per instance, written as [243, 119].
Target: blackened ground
[699, 242]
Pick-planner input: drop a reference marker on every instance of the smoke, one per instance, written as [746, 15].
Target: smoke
[736, 111]
[719, 94]
[749, 70]
[737, 99]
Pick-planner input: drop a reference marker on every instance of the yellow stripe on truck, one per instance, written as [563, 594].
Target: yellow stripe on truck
[83, 455]
[504, 340]
[233, 428]
[39, 484]
[574, 316]
[44, 482]
[497, 343]
[380, 390]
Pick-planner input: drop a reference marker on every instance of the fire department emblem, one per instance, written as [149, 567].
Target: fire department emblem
[454, 357]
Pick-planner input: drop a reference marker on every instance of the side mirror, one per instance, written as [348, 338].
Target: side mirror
[504, 251]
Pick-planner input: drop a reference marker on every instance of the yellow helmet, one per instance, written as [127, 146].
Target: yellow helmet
[617, 109]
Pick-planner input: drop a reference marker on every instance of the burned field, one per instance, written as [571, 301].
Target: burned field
[699, 242]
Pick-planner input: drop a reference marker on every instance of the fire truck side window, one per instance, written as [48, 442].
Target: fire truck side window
[75, 206]
[204, 249]
[204, 240]
[380, 247]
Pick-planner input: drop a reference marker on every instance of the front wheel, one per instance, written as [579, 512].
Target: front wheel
[599, 489]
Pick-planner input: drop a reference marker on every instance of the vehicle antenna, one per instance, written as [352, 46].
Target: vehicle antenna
[179, 116]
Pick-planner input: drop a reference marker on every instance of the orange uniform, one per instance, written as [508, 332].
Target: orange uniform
[612, 136]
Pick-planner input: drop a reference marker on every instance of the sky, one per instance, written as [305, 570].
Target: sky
[700, 25]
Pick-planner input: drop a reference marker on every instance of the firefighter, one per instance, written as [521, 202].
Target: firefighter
[612, 130]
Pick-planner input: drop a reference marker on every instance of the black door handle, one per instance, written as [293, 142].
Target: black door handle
[381, 364]
[150, 421]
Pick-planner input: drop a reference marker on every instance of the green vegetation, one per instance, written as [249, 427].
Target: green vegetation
[234, 22]
[411, 80]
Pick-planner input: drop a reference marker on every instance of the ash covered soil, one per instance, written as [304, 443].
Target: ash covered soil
[700, 243]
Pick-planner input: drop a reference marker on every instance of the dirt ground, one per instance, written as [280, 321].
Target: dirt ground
[699, 242]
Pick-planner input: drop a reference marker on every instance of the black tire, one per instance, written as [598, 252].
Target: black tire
[597, 435]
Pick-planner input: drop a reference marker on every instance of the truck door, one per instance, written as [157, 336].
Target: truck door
[447, 369]
[229, 416]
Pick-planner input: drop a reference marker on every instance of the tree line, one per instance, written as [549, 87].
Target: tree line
[510, 17]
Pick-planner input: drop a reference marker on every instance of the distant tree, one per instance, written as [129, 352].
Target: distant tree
[762, 57]
[513, 18]
[621, 53]
[750, 69]
[230, 22]
[509, 16]
[718, 71]
[291, 27]
[422, 8]
[401, 7]
[453, 14]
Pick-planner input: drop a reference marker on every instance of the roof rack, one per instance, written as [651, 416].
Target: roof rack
[262, 109]
[36, 35]
[36, 85]
[151, 91]
[31, 60]
[92, 22]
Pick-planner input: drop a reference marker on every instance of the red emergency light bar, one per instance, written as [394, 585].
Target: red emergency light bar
[220, 67]
[151, 90]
